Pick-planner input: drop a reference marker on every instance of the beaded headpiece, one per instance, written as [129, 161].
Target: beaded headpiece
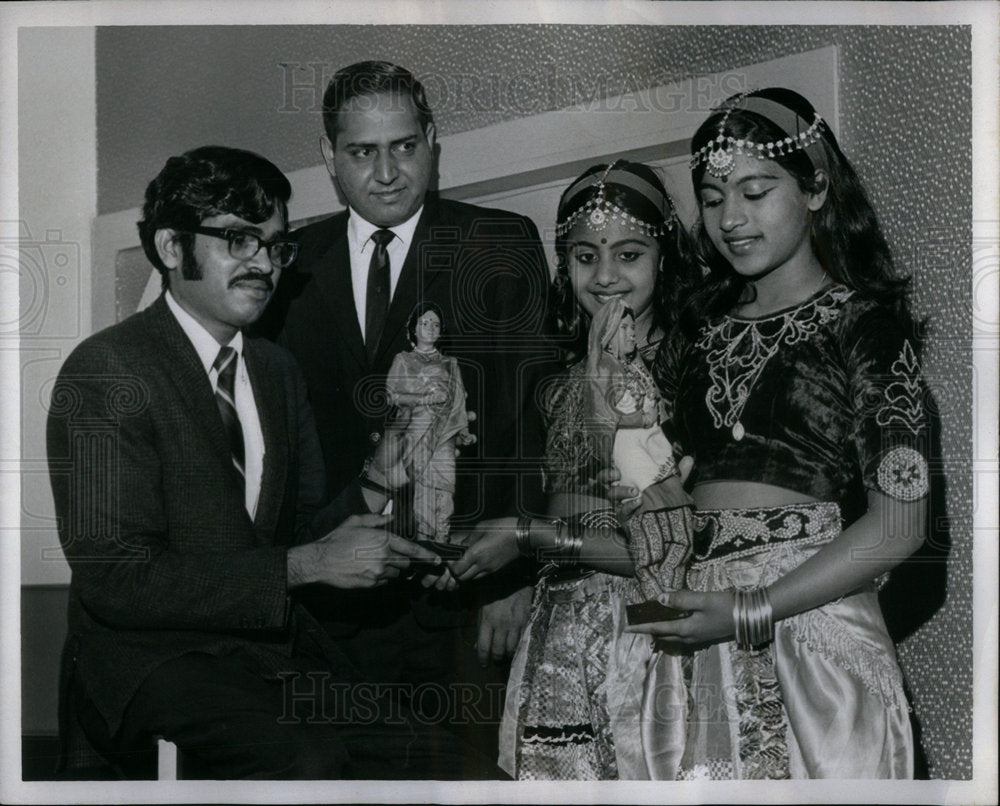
[598, 209]
[719, 153]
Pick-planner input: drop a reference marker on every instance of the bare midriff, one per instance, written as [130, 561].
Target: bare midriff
[745, 495]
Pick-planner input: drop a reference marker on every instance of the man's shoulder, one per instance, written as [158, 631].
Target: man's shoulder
[117, 343]
[320, 232]
[314, 240]
[463, 210]
[481, 222]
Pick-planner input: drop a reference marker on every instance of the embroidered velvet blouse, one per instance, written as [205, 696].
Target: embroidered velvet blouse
[824, 398]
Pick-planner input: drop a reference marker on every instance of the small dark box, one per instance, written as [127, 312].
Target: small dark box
[652, 610]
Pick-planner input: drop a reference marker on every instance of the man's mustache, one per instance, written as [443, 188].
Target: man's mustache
[254, 277]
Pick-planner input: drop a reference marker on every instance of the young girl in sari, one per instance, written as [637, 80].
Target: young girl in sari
[795, 386]
[575, 695]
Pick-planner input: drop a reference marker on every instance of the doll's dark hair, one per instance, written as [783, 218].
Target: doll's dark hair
[845, 232]
[676, 271]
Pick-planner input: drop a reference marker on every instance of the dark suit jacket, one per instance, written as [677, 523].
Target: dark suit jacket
[165, 558]
[487, 271]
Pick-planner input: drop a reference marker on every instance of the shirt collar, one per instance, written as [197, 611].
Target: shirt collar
[359, 231]
[204, 342]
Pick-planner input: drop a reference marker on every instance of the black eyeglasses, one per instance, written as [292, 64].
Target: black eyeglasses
[244, 245]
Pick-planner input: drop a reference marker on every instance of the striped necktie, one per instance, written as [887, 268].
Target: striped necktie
[225, 365]
[377, 294]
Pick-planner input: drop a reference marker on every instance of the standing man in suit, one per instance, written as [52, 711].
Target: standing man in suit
[186, 471]
[343, 314]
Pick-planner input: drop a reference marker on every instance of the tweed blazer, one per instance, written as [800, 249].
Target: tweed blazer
[165, 559]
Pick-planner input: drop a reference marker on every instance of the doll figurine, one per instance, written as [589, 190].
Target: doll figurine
[625, 398]
[429, 385]
[624, 403]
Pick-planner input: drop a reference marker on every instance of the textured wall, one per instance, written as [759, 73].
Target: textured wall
[905, 122]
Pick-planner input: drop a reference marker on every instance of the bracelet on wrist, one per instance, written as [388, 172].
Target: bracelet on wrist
[574, 542]
[522, 535]
[567, 544]
[753, 618]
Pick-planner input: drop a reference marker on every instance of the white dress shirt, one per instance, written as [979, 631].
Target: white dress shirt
[246, 409]
[360, 246]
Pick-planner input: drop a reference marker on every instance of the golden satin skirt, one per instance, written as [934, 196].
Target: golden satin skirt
[823, 700]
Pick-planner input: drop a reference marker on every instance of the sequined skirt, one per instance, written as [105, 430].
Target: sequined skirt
[825, 698]
[575, 689]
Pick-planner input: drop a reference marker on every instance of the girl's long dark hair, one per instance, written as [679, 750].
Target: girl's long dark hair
[675, 274]
[845, 233]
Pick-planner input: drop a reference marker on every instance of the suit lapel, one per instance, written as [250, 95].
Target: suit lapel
[332, 271]
[267, 395]
[185, 370]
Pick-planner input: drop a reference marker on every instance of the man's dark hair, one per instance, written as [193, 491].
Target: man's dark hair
[371, 78]
[205, 182]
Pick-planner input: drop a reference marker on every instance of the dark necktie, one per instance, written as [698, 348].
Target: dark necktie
[225, 399]
[377, 297]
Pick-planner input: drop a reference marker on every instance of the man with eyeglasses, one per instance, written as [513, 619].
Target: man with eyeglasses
[188, 483]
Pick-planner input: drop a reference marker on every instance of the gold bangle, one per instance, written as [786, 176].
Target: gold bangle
[753, 618]
[567, 545]
[522, 534]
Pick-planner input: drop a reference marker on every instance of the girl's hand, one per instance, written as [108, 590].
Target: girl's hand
[493, 544]
[605, 485]
[711, 618]
[442, 582]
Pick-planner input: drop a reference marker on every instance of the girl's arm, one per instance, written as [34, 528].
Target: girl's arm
[493, 544]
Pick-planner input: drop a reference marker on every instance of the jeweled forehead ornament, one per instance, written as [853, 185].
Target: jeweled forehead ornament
[599, 209]
[720, 153]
